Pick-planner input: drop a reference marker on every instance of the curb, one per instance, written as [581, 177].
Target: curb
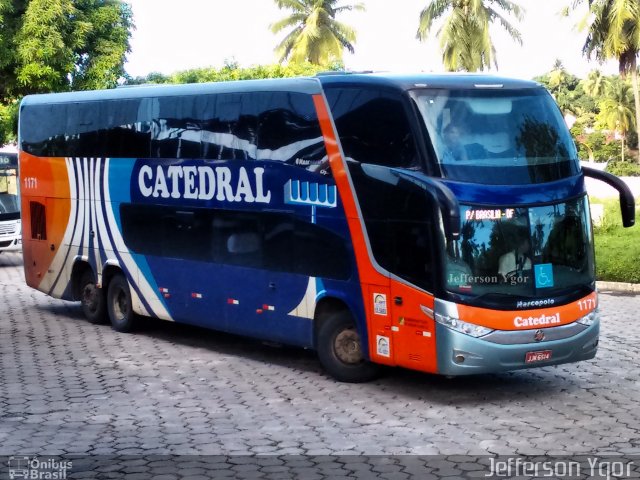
[633, 288]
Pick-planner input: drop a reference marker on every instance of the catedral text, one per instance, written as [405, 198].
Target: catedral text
[541, 321]
[203, 183]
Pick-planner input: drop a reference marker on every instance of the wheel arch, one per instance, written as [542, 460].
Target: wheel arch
[80, 266]
[325, 308]
[109, 271]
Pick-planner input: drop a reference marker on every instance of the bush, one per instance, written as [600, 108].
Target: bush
[232, 71]
[8, 122]
[599, 145]
[624, 169]
[617, 248]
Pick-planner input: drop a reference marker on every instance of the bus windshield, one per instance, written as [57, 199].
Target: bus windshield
[496, 136]
[528, 252]
[9, 202]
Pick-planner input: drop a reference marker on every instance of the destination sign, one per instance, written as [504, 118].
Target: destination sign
[490, 214]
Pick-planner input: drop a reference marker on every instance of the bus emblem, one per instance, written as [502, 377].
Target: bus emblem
[538, 336]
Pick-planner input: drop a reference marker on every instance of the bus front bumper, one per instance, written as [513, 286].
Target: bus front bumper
[460, 354]
[11, 245]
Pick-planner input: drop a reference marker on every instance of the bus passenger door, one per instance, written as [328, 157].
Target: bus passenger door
[402, 326]
[413, 327]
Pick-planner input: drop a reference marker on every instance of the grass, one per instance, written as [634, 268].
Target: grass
[617, 248]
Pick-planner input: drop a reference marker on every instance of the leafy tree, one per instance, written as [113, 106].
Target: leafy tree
[57, 45]
[564, 88]
[232, 71]
[8, 121]
[60, 45]
[464, 35]
[616, 110]
[593, 85]
[597, 147]
[558, 76]
[153, 77]
[613, 31]
[315, 36]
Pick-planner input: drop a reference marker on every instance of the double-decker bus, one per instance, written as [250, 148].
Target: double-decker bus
[10, 238]
[434, 222]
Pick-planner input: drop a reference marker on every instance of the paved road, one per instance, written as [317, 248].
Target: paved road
[69, 387]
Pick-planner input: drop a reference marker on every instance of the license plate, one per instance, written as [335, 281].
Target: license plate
[540, 356]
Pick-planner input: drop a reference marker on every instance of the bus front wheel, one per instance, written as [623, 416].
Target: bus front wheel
[119, 305]
[340, 350]
[94, 305]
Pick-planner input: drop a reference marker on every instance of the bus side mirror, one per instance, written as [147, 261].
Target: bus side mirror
[627, 202]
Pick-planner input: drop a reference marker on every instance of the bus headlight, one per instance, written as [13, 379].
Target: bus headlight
[589, 319]
[462, 327]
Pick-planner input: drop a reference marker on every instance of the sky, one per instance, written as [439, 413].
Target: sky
[174, 35]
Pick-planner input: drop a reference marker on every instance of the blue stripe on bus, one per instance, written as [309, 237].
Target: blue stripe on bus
[101, 246]
[506, 195]
[118, 191]
[68, 294]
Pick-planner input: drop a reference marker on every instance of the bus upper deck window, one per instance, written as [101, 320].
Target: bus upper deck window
[506, 136]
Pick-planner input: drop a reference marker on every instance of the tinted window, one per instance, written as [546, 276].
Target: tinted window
[279, 126]
[522, 251]
[373, 127]
[271, 241]
[497, 136]
[401, 220]
[38, 221]
[87, 129]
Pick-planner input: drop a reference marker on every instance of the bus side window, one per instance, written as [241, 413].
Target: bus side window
[271, 241]
[127, 134]
[237, 238]
[289, 131]
[373, 126]
[229, 126]
[175, 130]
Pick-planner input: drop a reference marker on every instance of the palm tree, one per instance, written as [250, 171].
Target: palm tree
[464, 34]
[616, 109]
[557, 75]
[613, 31]
[594, 84]
[562, 85]
[316, 36]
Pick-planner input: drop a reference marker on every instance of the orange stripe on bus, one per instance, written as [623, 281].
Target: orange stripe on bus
[406, 347]
[368, 273]
[45, 181]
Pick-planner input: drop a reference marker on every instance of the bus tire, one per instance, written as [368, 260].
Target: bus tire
[119, 305]
[340, 350]
[92, 299]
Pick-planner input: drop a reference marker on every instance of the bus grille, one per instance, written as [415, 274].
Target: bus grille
[7, 229]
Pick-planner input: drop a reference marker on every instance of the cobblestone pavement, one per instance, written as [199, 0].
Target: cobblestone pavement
[68, 387]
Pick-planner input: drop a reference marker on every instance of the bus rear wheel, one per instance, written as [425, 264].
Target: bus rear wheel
[119, 304]
[340, 350]
[92, 300]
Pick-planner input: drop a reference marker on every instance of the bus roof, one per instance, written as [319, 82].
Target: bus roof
[301, 85]
[425, 80]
